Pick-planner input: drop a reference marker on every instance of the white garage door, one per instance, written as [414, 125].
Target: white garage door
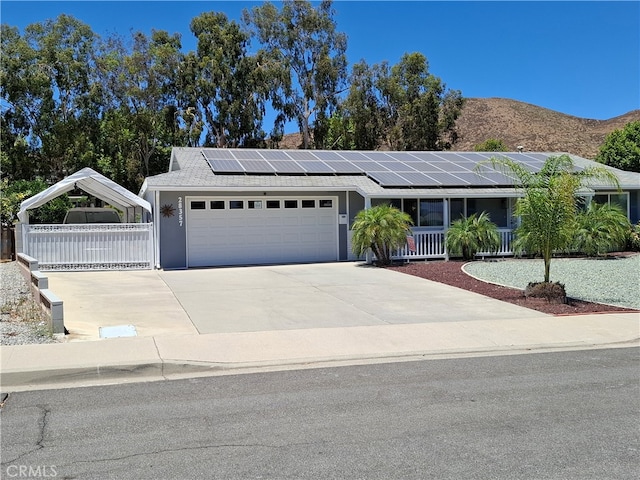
[245, 231]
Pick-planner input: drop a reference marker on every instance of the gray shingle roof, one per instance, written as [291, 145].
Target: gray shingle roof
[190, 170]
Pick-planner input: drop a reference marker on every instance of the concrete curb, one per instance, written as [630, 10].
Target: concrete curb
[15, 381]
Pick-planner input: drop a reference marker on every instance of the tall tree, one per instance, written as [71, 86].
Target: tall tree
[301, 42]
[403, 106]
[621, 148]
[225, 83]
[48, 89]
[363, 106]
[549, 205]
[140, 81]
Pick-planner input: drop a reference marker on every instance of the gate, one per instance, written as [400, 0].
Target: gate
[121, 246]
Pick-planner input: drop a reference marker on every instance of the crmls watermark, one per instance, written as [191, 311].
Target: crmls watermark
[29, 471]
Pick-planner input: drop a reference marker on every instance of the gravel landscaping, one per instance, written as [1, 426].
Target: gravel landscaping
[21, 319]
[612, 280]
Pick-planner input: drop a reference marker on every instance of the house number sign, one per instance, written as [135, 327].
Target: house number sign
[180, 213]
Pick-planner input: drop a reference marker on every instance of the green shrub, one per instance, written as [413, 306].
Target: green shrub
[382, 229]
[601, 228]
[468, 236]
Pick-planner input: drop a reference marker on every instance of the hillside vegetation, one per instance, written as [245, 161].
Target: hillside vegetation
[535, 128]
[518, 123]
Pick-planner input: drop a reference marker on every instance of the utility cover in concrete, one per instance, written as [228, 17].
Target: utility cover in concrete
[118, 331]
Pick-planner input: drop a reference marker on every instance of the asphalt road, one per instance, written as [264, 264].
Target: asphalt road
[572, 415]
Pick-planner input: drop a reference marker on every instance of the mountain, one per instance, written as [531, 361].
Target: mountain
[535, 128]
[522, 124]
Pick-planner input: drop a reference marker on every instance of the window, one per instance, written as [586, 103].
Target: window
[410, 207]
[198, 205]
[217, 204]
[431, 213]
[326, 203]
[290, 204]
[273, 203]
[620, 199]
[255, 204]
[394, 202]
[456, 209]
[236, 204]
[497, 208]
[308, 204]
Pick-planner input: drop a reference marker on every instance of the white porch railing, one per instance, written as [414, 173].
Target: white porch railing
[101, 246]
[506, 240]
[431, 244]
[428, 245]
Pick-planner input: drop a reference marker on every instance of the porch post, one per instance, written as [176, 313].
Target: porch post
[369, 256]
[445, 224]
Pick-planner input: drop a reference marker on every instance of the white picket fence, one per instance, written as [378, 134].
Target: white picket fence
[102, 246]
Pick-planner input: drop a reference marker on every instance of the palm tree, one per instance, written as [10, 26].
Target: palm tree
[548, 208]
[468, 236]
[382, 229]
[601, 228]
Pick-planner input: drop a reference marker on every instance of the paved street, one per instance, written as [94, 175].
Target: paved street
[572, 415]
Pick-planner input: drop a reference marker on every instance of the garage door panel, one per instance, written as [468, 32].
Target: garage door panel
[259, 236]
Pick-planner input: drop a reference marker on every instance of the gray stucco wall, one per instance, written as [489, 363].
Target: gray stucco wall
[173, 238]
[172, 229]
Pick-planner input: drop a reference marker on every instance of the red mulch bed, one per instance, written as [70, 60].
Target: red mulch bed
[451, 273]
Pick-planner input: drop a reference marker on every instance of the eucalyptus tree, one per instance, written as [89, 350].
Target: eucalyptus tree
[549, 204]
[48, 93]
[139, 82]
[421, 110]
[363, 106]
[403, 106]
[224, 83]
[307, 58]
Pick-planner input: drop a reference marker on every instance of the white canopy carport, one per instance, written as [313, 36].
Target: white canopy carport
[95, 184]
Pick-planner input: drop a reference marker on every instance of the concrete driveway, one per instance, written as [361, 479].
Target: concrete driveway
[249, 299]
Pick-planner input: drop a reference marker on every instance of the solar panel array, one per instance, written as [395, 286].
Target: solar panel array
[389, 169]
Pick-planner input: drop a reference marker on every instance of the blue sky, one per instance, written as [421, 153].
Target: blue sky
[579, 58]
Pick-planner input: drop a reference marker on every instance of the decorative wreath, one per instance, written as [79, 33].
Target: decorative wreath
[167, 210]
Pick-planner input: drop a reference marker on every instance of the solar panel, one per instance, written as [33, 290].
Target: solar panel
[217, 154]
[344, 167]
[402, 156]
[286, 166]
[388, 179]
[317, 166]
[426, 167]
[397, 166]
[474, 178]
[256, 166]
[417, 179]
[447, 179]
[241, 154]
[377, 156]
[275, 155]
[367, 165]
[353, 156]
[498, 177]
[225, 166]
[327, 156]
[301, 155]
